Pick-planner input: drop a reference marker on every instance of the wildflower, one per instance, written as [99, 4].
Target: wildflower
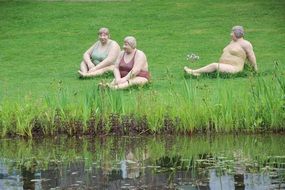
[192, 57]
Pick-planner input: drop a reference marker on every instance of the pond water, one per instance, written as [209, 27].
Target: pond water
[196, 162]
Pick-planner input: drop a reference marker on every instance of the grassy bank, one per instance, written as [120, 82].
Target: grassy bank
[258, 108]
[42, 43]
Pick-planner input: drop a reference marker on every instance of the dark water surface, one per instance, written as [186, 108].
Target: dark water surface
[196, 162]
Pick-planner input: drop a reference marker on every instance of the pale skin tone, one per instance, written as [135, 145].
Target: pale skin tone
[89, 69]
[140, 63]
[232, 59]
[132, 163]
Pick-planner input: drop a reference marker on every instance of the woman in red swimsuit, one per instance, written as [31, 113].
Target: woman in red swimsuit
[131, 67]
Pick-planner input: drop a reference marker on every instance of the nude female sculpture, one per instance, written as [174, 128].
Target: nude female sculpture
[233, 57]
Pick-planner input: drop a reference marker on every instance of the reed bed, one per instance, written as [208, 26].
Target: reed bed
[194, 108]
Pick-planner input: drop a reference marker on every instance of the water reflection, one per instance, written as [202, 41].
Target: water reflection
[130, 167]
[225, 162]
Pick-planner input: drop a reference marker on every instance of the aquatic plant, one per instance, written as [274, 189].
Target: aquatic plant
[196, 107]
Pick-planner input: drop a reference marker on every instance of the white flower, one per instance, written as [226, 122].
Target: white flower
[192, 57]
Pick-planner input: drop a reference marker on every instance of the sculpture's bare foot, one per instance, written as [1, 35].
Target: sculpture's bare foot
[112, 86]
[191, 72]
[81, 74]
[103, 84]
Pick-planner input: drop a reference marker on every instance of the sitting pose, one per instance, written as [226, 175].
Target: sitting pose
[131, 67]
[233, 57]
[100, 57]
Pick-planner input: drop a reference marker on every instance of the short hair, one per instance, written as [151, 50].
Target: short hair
[131, 41]
[103, 30]
[238, 31]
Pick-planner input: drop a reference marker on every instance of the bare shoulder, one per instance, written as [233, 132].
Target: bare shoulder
[141, 54]
[246, 44]
[115, 45]
[90, 49]
[96, 43]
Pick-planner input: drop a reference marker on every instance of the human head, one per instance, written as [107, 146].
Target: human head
[131, 41]
[238, 31]
[104, 35]
[104, 30]
[130, 44]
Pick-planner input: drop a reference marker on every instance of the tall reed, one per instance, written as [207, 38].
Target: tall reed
[197, 106]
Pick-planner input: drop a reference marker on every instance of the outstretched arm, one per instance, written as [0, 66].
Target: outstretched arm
[116, 71]
[251, 56]
[87, 57]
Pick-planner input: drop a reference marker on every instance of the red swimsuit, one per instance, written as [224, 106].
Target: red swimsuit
[125, 68]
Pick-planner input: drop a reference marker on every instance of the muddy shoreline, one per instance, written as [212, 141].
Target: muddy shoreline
[123, 125]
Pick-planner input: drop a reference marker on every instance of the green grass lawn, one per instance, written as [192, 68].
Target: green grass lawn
[42, 43]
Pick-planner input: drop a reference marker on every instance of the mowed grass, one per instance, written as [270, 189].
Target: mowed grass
[42, 43]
